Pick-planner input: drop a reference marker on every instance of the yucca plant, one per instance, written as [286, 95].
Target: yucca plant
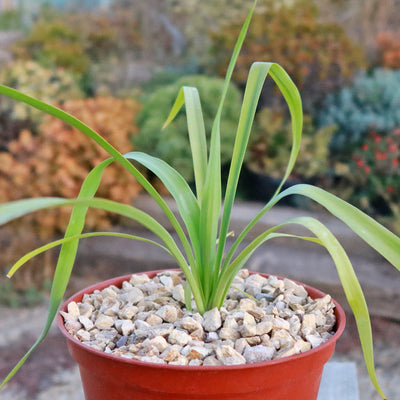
[208, 266]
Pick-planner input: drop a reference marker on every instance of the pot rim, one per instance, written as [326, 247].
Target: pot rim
[339, 314]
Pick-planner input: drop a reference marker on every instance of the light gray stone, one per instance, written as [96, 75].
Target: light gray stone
[258, 353]
[178, 293]
[179, 337]
[86, 322]
[197, 352]
[154, 319]
[73, 309]
[229, 356]
[189, 323]
[211, 361]
[212, 320]
[229, 333]
[128, 311]
[133, 296]
[168, 313]
[263, 327]
[139, 279]
[308, 325]
[72, 326]
[127, 327]
[83, 335]
[159, 342]
[315, 340]
[104, 322]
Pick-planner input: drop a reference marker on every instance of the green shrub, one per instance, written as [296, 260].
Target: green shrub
[372, 102]
[272, 141]
[172, 144]
[170, 74]
[55, 85]
[11, 20]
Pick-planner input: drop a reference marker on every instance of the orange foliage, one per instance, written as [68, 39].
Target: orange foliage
[57, 160]
[389, 47]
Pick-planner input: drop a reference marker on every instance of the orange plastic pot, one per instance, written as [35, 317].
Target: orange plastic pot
[108, 377]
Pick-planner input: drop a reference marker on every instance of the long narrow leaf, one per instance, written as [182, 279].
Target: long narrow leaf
[28, 256]
[197, 135]
[257, 76]
[178, 104]
[211, 201]
[345, 271]
[376, 235]
[187, 204]
[208, 190]
[68, 250]
[352, 290]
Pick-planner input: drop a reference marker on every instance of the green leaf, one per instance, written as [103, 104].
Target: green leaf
[352, 290]
[197, 135]
[28, 256]
[255, 82]
[68, 251]
[188, 296]
[377, 236]
[186, 201]
[9, 211]
[211, 200]
[345, 271]
[178, 104]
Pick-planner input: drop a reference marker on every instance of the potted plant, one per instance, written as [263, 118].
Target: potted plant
[209, 268]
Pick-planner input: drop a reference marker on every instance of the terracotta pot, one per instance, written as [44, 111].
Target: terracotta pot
[108, 377]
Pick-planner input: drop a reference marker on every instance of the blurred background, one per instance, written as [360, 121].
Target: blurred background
[118, 66]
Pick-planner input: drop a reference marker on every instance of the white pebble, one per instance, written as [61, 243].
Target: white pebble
[258, 353]
[179, 337]
[212, 320]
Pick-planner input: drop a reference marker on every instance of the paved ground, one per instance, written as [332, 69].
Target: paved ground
[41, 380]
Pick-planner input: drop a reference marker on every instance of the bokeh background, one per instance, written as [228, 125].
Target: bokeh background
[118, 65]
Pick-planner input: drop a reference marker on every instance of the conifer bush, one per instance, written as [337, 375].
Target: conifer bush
[172, 144]
[371, 103]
